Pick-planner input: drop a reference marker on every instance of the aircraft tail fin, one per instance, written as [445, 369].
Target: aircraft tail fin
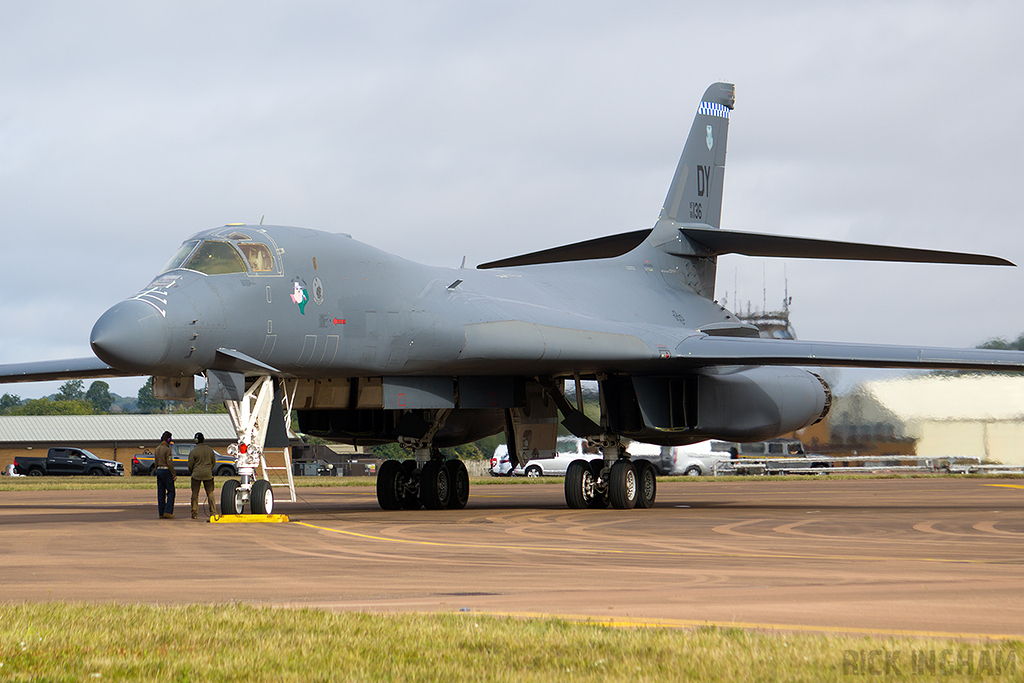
[695, 195]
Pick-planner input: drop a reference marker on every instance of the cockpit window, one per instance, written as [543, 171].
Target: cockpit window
[259, 256]
[184, 251]
[216, 258]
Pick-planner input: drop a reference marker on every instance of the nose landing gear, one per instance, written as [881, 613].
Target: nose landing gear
[251, 416]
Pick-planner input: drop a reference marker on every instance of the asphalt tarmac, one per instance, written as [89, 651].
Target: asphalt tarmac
[936, 556]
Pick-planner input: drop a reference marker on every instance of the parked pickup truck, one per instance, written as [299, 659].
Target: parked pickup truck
[145, 464]
[67, 462]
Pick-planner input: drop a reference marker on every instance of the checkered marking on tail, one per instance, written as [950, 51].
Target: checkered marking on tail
[714, 109]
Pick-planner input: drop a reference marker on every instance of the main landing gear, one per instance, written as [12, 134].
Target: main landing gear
[428, 481]
[613, 479]
[434, 484]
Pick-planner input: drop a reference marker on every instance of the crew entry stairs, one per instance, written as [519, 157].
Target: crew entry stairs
[275, 482]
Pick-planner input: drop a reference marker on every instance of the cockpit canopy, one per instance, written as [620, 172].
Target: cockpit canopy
[217, 257]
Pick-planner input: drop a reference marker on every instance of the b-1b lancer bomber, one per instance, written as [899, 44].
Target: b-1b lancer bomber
[369, 348]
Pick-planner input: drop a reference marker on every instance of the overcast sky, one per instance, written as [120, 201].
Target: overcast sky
[439, 130]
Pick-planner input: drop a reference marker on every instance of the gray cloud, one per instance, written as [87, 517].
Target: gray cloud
[437, 130]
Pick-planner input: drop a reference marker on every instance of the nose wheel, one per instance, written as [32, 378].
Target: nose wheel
[232, 498]
[261, 498]
[234, 495]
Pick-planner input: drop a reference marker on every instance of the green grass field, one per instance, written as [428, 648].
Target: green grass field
[61, 642]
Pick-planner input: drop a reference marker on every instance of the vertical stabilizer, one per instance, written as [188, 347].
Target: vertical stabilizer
[695, 195]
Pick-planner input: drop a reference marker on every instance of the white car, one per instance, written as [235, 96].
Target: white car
[549, 467]
[500, 464]
[569, 449]
[693, 460]
[696, 460]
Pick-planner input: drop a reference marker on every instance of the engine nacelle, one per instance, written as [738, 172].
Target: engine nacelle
[761, 403]
[736, 404]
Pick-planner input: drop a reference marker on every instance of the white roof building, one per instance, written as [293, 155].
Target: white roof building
[123, 429]
[972, 415]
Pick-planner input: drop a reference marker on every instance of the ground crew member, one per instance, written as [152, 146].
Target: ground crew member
[200, 464]
[163, 461]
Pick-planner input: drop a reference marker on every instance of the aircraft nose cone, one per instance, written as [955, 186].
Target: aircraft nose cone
[131, 336]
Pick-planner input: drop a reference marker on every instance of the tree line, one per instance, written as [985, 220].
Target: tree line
[74, 399]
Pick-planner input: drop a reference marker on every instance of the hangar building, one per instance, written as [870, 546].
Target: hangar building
[944, 415]
[115, 437]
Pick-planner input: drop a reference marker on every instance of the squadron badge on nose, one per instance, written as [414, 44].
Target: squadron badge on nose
[299, 294]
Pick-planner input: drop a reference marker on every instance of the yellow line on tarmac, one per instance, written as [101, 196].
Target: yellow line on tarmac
[1007, 486]
[623, 622]
[670, 553]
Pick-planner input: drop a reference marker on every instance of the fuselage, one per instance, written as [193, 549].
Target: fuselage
[314, 304]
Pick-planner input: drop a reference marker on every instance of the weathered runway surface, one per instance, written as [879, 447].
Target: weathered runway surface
[928, 556]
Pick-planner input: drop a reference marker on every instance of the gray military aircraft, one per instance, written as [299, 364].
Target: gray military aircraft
[369, 347]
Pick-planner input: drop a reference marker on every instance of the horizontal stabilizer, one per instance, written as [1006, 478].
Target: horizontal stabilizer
[717, 242]
[747, 351]
[68, 368]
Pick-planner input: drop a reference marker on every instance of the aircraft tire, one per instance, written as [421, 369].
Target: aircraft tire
[647, 483]
[579, 485]
[622, 485]
[389, 478]
[230, 500]
[435, 485]
[261, 498]
[458, 476]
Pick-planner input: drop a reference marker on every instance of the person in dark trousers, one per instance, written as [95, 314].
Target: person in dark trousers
[165, 478]
[200, 464]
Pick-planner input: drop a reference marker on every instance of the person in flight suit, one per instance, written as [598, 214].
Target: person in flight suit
[200, 464]
[163, 461]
